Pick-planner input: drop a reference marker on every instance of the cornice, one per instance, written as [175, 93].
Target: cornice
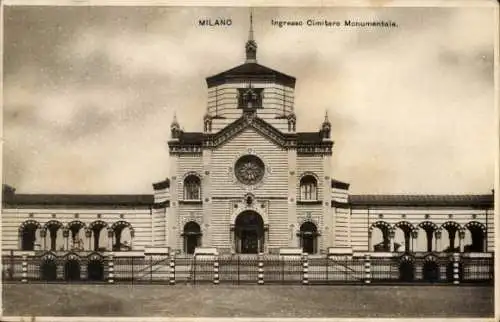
[283, 140]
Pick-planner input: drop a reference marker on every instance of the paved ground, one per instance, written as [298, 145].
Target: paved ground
[247, 301]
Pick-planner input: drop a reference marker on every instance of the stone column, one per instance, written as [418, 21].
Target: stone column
[260, 276]
[132, 235]
[25, 269]
[305, 269]
[266, 239]
[414, 236]
[367, 269]
[438, 247]
[110, 240]
[456, 269]
[392, 234]
[232, 240]
[461, 237]
[370, 241]
[66, 239]
[43, 235]
[88, 235]
[111, 270]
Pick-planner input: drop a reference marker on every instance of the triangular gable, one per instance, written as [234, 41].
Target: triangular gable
[245, 122]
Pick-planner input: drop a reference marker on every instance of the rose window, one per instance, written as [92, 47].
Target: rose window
[249, 169]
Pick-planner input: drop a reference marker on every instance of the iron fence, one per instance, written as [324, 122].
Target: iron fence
[238, 269]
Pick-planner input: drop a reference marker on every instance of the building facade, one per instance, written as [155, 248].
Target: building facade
[249, 183]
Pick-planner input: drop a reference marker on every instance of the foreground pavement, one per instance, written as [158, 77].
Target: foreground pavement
[265, 301]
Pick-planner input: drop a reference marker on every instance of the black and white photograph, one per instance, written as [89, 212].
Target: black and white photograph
[249, 161]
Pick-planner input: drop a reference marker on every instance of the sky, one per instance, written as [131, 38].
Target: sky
[90, 92]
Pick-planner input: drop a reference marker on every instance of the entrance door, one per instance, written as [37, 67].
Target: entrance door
[249, 233]
[249, 242]
[308, 244]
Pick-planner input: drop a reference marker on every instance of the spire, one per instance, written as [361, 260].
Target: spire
[251, 45]
[326, 127]
[174, 128]
[174, 121]
[250, 33]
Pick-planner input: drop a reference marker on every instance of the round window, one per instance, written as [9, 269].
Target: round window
[249, 169]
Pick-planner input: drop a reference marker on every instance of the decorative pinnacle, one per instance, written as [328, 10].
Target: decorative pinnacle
[250, 33]
[174, 120]
[251, 45]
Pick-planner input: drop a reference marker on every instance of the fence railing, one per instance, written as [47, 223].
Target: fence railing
[237, 269]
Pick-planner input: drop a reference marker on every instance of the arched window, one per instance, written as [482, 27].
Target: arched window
[99, 239]
[123, 234]
[76, 230]
[192, 237]
[430, 228]
[54, 229]
[192, 188]
[452, 228]
[308, 237]
[402, 236]
[308, 188]
[380, 238]
[477, 237]
[29, 232]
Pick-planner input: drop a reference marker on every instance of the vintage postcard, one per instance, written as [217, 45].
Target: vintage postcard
[249, 162]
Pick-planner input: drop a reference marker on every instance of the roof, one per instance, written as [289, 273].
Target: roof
[248, 72]
[308, 137]
[78, 200]
[422, 200]
[191, 137]
[162, 184]
[339, 184]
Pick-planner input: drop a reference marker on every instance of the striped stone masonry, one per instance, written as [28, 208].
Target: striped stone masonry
[111, 270]
[367, 269]
[261, 271]
[456, 268]
[305, 269]
[25, 269]
[216, 271]
[172, 269]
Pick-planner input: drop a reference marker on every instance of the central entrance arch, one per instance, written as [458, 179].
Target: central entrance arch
[249, 233]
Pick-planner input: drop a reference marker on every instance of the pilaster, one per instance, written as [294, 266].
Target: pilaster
[206, 191]
[292, 197]
[172, 215]
[327, 229]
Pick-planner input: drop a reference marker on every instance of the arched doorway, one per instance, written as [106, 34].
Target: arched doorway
[95, 268]
[430, 271]
[406, 269]
[72, 268]
[308, 237]
[48, 268]
[249, 233]
[192, 237]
